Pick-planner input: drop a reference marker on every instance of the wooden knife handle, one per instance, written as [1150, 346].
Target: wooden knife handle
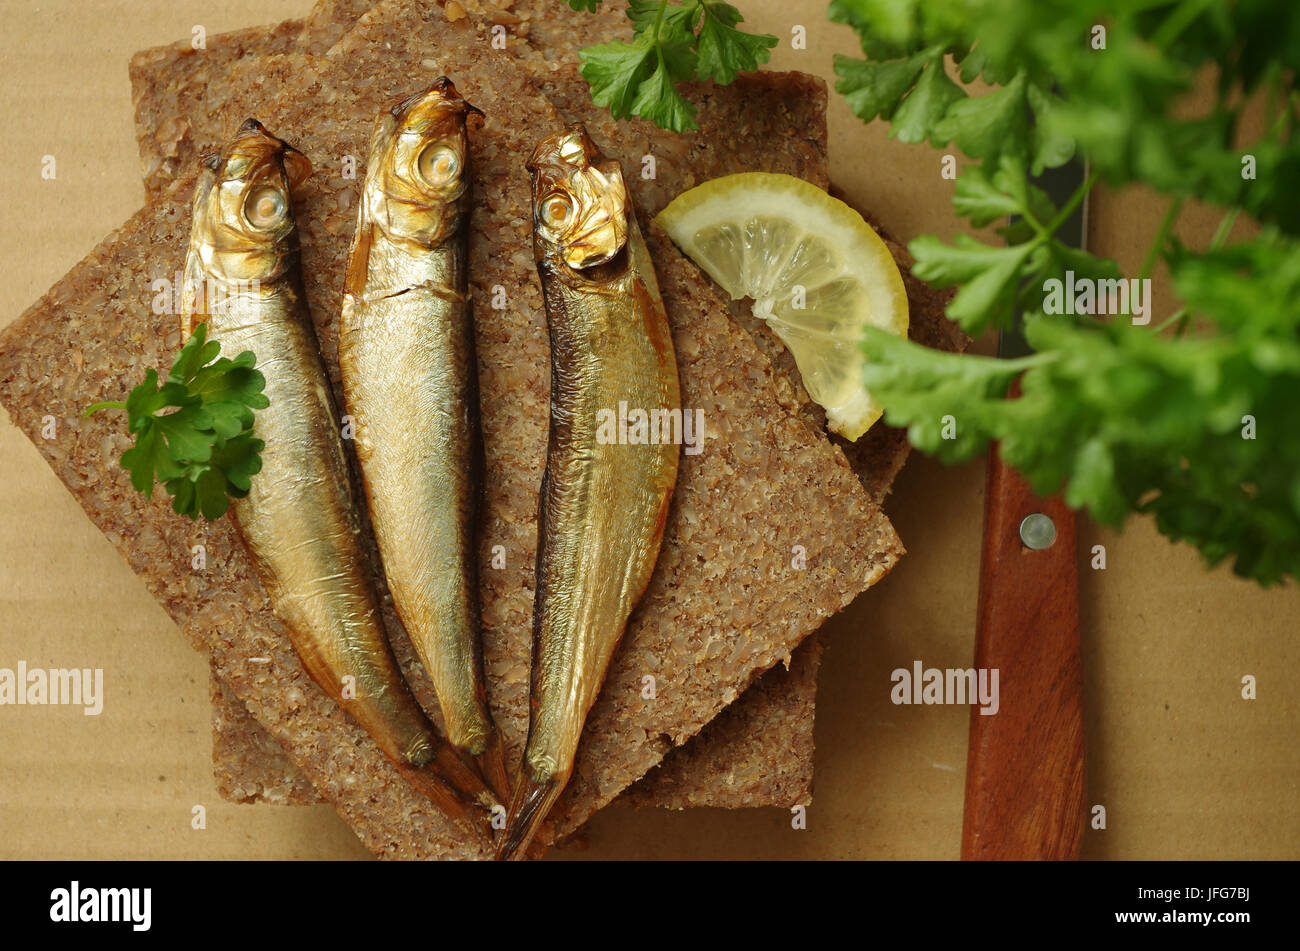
[1024, 775]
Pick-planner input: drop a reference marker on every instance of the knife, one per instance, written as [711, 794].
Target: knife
[1025, 767]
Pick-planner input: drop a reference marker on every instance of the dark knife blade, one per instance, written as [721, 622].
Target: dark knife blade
[1060, 184]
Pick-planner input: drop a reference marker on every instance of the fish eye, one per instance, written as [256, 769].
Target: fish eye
[556, 211]
[438, 164]
[265, 207]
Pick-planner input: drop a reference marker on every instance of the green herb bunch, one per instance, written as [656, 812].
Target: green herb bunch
[1199, 429]
[194, 433]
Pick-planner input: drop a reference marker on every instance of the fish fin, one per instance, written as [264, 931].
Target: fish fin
[445, 800]
[194, 295]
[297, 167]
[363, 236]
[354, 280]
[436, 788]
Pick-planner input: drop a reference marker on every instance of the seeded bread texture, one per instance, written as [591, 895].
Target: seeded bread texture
[170, 85]
[737, 121]
[176, 88]
[714, 616]
[239, 755]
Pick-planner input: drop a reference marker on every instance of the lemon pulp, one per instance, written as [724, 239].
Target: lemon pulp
[817, 273]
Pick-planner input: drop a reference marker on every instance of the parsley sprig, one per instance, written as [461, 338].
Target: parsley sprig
[194, 433]
[672, 43]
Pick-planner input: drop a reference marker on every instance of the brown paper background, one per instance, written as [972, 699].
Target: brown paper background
[1184, 766]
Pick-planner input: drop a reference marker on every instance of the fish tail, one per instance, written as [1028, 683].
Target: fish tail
[453, 787]
[464, 779]
[449, 802]
[535, 793]
[492, 766]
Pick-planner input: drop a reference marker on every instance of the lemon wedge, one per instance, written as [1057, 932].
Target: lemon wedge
[817, 272]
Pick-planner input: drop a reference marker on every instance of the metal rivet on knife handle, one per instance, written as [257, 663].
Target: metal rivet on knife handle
[1037, 531]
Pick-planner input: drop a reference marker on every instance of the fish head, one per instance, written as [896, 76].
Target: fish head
[580, 202]
[243, 213]
[417, 179]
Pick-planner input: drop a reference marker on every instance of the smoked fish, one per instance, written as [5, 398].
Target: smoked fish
[604, 501]
[410, 383]
[298, 520]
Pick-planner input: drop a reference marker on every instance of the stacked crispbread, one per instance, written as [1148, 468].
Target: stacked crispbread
[725, 603]
[771, 725]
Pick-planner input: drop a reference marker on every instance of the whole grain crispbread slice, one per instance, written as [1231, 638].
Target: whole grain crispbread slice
[766, 108]
[761, 465]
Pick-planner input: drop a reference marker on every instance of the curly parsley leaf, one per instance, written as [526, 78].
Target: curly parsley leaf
[673, 19]
[875, 89]
[658, 99]
[209, 488]
[724, 50]
[672, 43]
[615, 72]
[1193, 430]
[230, 391]
[887, 29]
[988, 276]
[194, 432]
[913, 91]
[150, 459]
[930, 99]
[986, 126]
